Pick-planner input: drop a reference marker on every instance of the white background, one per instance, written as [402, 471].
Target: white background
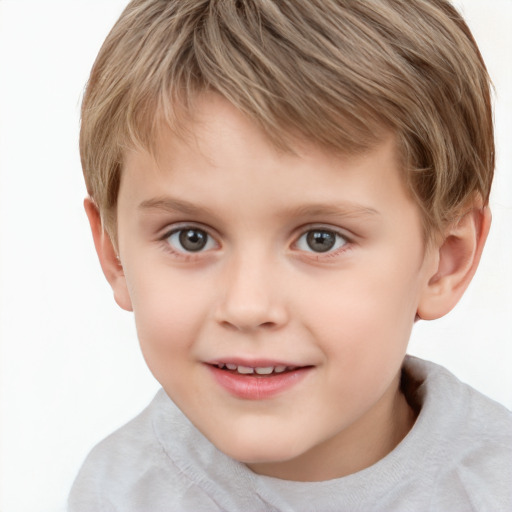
[71, 371]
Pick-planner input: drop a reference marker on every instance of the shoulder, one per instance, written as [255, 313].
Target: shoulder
[448, 402]
[159, 462]
[470, 444]
[127, 445]
[124, 470]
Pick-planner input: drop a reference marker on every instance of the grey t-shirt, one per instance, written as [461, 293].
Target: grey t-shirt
[456, 458]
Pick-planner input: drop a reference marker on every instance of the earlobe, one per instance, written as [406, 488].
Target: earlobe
[109, 261]
[457, 259]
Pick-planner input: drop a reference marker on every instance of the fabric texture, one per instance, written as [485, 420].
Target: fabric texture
[456, 458]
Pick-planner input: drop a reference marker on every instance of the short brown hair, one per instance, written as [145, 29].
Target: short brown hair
[334, 71]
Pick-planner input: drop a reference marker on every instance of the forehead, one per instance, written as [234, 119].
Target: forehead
[223, 158]
[208, 119]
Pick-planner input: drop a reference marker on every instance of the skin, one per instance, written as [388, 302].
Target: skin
[258, 291]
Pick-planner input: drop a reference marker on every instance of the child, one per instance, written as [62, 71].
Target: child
[278, 191]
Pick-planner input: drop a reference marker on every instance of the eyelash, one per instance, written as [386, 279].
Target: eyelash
[329, 252]
[183, 253]
[317, 255]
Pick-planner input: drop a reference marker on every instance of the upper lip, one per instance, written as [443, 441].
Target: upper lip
[255, 363]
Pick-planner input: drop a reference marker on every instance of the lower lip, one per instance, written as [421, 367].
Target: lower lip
[255, 387]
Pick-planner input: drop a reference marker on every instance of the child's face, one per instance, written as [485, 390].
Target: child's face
[237, 254]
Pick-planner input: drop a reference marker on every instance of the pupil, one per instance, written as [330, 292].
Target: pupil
[193, 239]
[321, 241]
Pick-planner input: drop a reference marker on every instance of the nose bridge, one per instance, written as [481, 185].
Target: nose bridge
[251, 296]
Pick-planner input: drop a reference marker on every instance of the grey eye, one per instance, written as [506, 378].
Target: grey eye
[190, 240]
[320, 240]
[193, 239]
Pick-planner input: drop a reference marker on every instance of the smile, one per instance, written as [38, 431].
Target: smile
[257, 382]
[258, 370]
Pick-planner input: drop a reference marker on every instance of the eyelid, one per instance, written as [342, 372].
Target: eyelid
[344, 233]
[169, 229]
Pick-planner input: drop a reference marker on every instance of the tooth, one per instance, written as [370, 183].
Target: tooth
[230, 366]
[246, 370]
[221, 365]
[264, 371]
[279, 369]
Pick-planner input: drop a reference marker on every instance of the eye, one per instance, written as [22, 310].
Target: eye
[320, 240]
[190, 240]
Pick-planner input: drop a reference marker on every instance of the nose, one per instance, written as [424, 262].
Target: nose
[252, 296]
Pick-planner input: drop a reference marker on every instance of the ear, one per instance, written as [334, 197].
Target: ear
[107, 255]
[457, 259]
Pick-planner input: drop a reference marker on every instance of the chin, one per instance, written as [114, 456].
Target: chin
[259, 451]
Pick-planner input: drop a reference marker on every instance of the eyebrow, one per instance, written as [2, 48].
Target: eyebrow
[342, 209]
[173, 205]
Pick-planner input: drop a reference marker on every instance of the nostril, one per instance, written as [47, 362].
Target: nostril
[235, 327]
[229, 325]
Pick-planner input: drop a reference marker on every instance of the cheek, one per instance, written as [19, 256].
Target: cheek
[167, 315]
[369, 309]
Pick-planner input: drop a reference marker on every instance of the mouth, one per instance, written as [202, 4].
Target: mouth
[256, 370]
[259, 380]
